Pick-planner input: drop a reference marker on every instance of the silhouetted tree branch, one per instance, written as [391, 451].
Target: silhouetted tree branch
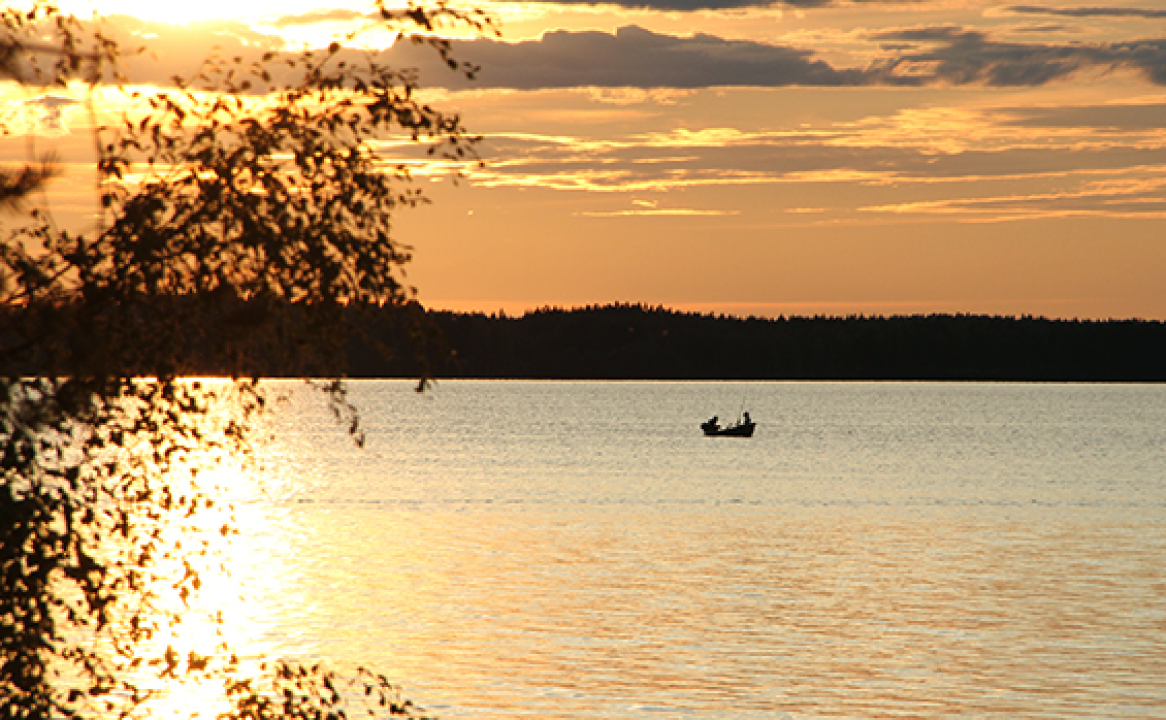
[243, 221]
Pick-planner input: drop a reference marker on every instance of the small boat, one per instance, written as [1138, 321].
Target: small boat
[742, 428]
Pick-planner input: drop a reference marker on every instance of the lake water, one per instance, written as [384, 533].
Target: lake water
[579, 549]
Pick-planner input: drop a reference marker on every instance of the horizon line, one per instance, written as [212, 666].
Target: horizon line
[771, 310]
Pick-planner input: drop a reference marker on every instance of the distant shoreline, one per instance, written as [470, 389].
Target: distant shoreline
[637, 342]
[633, 342]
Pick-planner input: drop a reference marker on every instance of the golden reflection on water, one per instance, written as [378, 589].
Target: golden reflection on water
[490, 592]
[671, 613]
[217, 621]
[622, 613]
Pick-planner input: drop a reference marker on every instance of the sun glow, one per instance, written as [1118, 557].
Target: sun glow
[190, 12]
[218, 630]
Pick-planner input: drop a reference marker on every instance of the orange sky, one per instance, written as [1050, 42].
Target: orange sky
[817, 157]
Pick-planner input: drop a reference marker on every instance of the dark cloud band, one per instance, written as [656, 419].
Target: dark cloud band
[638, 58]
[957, 56]
[635, 57]
[1088, 12]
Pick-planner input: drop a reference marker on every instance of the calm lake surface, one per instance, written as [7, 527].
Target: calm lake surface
[579, 550]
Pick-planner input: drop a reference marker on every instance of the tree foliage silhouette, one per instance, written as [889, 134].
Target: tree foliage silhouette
[242, 211]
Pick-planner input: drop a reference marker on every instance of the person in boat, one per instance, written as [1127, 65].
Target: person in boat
[712, 423]
[747, 421]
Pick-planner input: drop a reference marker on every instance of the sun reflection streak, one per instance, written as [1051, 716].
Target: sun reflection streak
[206, 637]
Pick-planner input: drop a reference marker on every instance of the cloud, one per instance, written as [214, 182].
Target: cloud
[694, 5]
[958, 56]
[635, 57]
[171, 51]
[632, 57]
[683, 5]
[1128, 118]
[658, 212]
[913, 57]
[1133, 197]
[45, 115]
[972, 164]
[321, 16]
[639, 59]
[1089, 12]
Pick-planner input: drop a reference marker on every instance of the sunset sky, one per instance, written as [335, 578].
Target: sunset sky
[810, 157]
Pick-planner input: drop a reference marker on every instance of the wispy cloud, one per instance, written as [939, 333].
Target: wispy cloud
[658, 212]
[692, 5]
[1089, 12]
[1113, 198]
[320, 16]
[968, 164]
[46, 115]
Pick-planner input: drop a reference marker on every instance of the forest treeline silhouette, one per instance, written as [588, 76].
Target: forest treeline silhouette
[640, 342]
[635, 341]
[625, 341]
